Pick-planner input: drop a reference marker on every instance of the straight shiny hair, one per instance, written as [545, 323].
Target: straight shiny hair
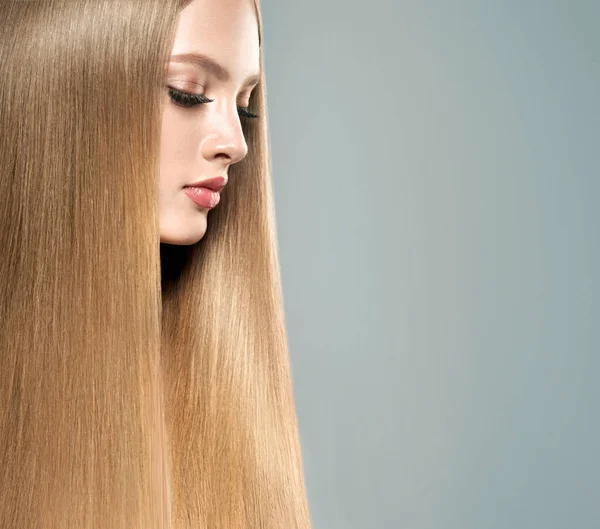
[142, 386]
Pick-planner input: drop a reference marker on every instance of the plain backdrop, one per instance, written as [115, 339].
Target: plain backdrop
[436, 169]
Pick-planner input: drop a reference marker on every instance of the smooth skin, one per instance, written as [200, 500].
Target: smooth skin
[203, 141]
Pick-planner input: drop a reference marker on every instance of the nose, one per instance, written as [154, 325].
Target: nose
[226, 136]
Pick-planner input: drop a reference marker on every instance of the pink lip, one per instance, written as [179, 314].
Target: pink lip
[216, 184]
[204, 197]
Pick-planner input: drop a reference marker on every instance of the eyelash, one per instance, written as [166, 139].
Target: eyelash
[187, 100]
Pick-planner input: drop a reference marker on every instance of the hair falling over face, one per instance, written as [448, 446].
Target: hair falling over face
[142, 385]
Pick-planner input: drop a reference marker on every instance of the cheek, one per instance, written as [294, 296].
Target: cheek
[175, 150]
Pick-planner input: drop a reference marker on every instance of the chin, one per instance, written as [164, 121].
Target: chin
[183, 233]
[181, 241]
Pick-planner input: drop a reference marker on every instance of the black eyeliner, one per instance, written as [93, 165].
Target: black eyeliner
[187, 100]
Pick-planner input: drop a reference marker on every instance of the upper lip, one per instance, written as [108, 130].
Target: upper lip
[216, 184]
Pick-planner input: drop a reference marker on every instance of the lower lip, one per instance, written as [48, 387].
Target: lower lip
[204, 197]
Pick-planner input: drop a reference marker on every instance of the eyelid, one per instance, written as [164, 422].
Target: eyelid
[249, 88]
[200, 99]
[202, 93]
[186, 81]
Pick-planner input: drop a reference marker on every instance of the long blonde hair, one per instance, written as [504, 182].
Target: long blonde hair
[142, 386]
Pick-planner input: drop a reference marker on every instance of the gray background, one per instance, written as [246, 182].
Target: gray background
[437, 187]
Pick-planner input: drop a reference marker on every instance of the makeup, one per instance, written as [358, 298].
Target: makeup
[202, 196]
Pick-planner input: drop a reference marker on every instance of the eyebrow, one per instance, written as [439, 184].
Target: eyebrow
[211, 66]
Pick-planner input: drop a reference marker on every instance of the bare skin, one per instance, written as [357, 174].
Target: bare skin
[203, 141]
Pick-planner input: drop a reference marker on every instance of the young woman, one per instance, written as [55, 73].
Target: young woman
[144, 372]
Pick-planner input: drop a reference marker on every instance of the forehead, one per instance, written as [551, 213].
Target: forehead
[226, 30]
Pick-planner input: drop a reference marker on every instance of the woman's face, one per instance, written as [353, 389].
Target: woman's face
[201, 142]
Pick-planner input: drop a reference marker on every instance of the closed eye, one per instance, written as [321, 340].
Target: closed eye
[187, 100]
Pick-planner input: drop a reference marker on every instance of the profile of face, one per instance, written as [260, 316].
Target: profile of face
[215, 57]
